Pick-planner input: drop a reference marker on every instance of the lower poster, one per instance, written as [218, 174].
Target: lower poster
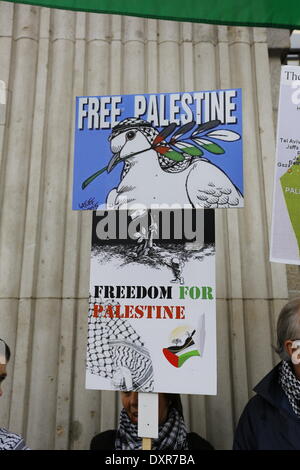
[152, 320]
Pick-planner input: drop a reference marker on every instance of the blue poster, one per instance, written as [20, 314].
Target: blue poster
[164, 150]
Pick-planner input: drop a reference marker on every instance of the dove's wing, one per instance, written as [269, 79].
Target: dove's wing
[111, 198]
[209, 187]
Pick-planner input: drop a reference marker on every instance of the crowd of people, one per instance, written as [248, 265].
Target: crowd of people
[270, 420]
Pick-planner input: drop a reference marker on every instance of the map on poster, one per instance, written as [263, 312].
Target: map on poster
[285, 236]
[151, 319]
[153, 149]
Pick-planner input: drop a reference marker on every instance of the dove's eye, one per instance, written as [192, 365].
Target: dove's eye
[130, 135]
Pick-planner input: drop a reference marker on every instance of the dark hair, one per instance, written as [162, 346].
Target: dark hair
[175, 402]
[7, 350]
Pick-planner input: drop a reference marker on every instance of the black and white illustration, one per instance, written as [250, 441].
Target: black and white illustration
[116, 352]
[153, 166]
[143, 291]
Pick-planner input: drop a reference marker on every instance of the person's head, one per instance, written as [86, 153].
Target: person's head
[166, 401]
[4, 358]
[288, 330]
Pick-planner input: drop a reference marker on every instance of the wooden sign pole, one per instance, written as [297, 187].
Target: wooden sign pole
[148, 418]
[146, 443]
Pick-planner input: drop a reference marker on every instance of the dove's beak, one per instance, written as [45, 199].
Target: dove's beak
[112, 161]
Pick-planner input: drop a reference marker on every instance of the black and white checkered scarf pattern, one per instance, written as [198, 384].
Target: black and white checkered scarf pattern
[135, 123]
[115, 349]
[11, 441]
[171, 435]
[290, 385]
[150, 133]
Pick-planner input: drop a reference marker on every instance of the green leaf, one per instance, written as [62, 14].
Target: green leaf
[189, 149]
[209, 146]
[92, 177]
[173, 155]
[168, 152]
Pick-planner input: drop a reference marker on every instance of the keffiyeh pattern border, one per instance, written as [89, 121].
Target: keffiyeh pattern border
[290, 385]
[116, 351]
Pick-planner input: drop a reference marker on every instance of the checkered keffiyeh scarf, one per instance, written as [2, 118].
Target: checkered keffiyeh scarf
[150, 133]
[11, 441]
[116, 351]
[290, 385]
[138, 124]
[171, 435]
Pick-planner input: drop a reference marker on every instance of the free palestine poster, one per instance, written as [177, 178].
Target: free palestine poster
[154, 149]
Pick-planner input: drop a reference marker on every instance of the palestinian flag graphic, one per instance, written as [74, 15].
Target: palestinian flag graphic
[185, 346]
[290, 183]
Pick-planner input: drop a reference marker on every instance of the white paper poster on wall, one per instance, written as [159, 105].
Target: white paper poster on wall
[285, 236]
[151, 319]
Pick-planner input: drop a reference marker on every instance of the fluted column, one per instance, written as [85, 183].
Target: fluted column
[49, 281]
[15, 161]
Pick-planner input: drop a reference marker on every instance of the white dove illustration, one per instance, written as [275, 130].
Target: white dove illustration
[156, 172]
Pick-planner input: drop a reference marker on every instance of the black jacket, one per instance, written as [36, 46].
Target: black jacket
[106, 441]
[268, 422]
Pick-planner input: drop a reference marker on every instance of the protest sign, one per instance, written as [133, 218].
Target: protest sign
[153, 149]
[151, 320]
[285, 235]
